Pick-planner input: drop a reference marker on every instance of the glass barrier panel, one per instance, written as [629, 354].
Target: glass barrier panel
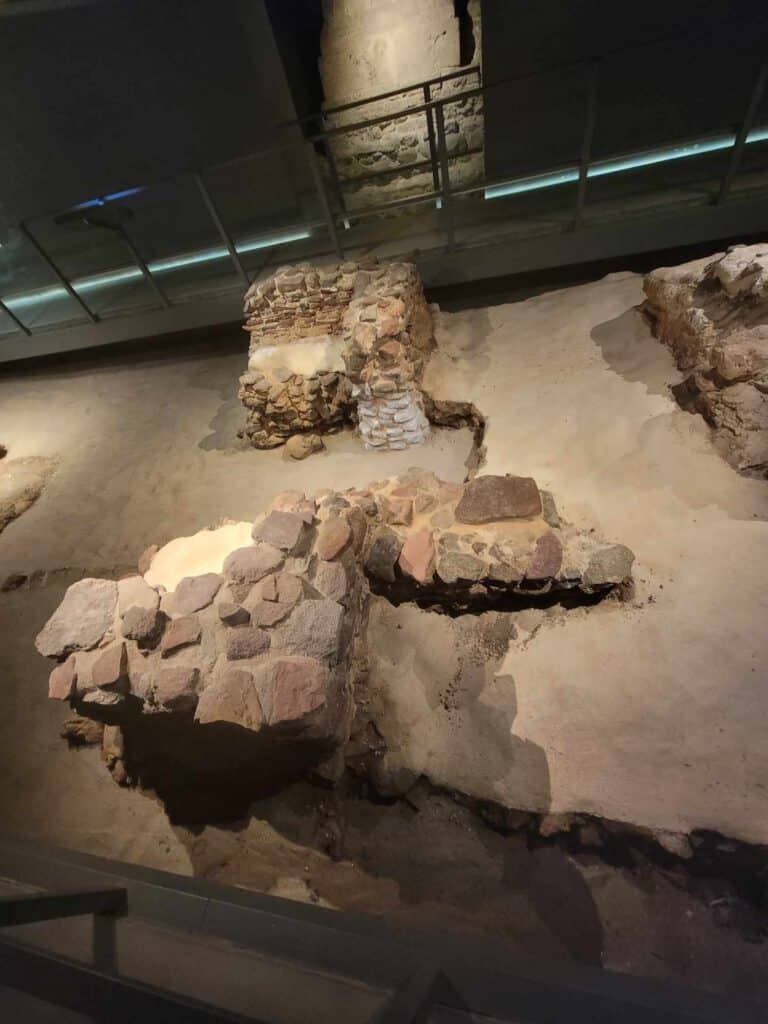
[30, 289]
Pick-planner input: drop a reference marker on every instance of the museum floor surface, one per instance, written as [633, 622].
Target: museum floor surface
[649, 712]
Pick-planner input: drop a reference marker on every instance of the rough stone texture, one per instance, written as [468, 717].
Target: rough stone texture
[232, 614]
[181, 633]
[277, 645]
[383, 555]
[314, 629]
[330, 580]
[282, 530]
[246, 642]
[417, 558]
[249, 565]
[110, 670]
[332, 537]
[174, 688]
[368, 49]
[301, 446]
[194, 593]
[81, 620]
[143, 625]
[490, 498]
[547, 558]
[712, 314]
[328, 339]
[291, 689]
[233, 698]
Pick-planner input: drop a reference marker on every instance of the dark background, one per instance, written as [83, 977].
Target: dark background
[99, 96]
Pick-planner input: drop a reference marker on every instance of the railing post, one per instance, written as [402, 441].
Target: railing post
[335, 179]
[323, 196]
[223, 233]
[445, 180]
[49, 906]
[743, 132]
[431, 136]
[12, 316]
[586, 144]
[57, 273]
[143, 267]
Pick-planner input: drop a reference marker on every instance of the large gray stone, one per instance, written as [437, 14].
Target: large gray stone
[282, 530]
[313, 629]
[81, 620]
[608, 566]
[194, 593]
[331, 580]
[246, 642]
[488, 499]
[249, 565]
[454, 565]
[143, 625]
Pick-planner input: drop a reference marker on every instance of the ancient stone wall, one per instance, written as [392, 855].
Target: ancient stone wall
[713, 315]
[334, 344]
[267, 652]
[371, 48]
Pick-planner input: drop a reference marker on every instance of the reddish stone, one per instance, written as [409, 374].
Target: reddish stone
[417, 558]
[194, 593]
[232, 614]
[110, 670]
[232, 697]
[332, 537]
[423, 503]
[62, 681]
[180, 633]
[546, 559]
[391, 351]
[291, 689]
[268, 613]
[175, 686]
[399, 510]
[488, 499]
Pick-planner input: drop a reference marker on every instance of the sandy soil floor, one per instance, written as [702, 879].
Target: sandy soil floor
[649, 712]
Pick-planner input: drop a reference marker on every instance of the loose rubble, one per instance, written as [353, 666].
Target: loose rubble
[274, 644]
[713, 315]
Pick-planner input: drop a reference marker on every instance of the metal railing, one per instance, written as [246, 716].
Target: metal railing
[411, 975]
[327, 189]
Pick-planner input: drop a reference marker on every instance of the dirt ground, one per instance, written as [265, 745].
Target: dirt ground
[650, 712]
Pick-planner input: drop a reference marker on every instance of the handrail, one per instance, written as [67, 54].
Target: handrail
[437, 80]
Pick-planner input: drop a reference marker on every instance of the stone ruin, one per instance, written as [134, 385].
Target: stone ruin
[233, 671]
[713, 315]
[333, 345]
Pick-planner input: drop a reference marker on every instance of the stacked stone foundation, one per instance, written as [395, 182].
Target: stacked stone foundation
[334, 345]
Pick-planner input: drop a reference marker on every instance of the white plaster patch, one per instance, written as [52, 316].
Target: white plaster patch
[193, 556]
[323, 355]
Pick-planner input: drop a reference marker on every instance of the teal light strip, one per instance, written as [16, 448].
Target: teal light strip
[121, 275]
[616, 165]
